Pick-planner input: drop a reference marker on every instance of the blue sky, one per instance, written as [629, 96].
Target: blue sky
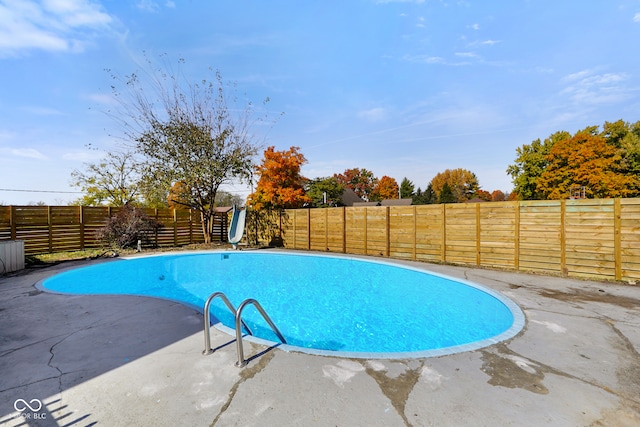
[402, 88]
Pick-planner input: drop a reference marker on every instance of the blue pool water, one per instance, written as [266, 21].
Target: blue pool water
[320, 303]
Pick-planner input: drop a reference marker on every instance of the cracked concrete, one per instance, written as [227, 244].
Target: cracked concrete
[121, 360]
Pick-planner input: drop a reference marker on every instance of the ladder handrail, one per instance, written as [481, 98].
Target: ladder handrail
[241, 362]
[207, 319]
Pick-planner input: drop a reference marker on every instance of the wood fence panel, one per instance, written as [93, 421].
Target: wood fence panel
[429, 239]
[335, 229]
[5, 222]
[540, 236]
[593, 238]
[288, 228]
[402, 233]
[630, 239]
[67, 228]
[318, 229]
[166, 235]
[296, 233]
[356, 230]
[589, 234]
[377, 231]
[498, 234]
[461, 238]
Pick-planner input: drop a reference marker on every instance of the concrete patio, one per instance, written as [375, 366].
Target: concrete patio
[123, 361]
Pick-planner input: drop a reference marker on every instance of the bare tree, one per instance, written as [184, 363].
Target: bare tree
[188, 132]
[114, 180]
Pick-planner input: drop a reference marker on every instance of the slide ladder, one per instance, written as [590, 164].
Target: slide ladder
[239, 324]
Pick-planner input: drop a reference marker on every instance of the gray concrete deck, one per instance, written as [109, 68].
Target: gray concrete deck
[123, 361]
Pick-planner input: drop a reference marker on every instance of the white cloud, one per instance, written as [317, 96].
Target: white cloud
[41, 111]
[148, 6]
[51, 25]
[153, 6]
[636, 17]
[373, 114]
[30, 153]
[102, 98]
[466, 55]
[588, 87]
[433, 60]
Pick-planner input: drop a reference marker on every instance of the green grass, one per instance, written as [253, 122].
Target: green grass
[57, 257]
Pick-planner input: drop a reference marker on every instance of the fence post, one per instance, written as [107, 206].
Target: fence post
[81, 225]
[443, 233]
[344, 229]
[563, 238]
[415, 233]
[388, 231]
[12, 222]
[49, 223]
[175, 227]
[617, 237]
[516, 243]
[326, 228]
[308, 229]
[478, 249]
[366, 247]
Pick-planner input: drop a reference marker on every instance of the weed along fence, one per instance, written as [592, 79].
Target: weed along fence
[597, 238]
[65, 228]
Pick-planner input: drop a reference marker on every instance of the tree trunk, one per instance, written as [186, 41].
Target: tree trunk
[207, 225]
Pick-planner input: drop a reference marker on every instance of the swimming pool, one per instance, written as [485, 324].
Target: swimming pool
[332, 305]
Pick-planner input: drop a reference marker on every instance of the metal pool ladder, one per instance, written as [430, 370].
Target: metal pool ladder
[239, 323]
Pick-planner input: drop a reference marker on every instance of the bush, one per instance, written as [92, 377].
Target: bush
[128, 226]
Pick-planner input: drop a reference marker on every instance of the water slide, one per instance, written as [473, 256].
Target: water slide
[236, 229]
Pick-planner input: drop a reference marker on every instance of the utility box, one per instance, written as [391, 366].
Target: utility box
[11, 256]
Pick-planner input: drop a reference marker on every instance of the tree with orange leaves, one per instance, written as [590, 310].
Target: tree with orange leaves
[385, 188]
[179, 196]
[586, 160]
[361, 181]
[280, 185]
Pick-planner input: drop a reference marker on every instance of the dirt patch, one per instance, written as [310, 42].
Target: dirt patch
[396, 389]
[505, 370]
[579, 295]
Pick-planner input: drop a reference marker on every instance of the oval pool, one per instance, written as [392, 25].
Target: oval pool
[331, 305]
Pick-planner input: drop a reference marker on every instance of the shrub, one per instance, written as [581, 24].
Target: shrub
[129, 225]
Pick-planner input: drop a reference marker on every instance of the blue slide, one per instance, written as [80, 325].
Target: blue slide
[236, 229]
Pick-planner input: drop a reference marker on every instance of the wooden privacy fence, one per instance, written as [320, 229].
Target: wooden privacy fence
[590, 237]
[66, 228]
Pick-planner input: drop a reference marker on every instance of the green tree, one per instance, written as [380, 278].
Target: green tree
[324, 192]
[361, 181]
[114, 181]
[188, 132]
[425, 197]
[626, 138]
[406, 188]
[530, 163]
[446, 195]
